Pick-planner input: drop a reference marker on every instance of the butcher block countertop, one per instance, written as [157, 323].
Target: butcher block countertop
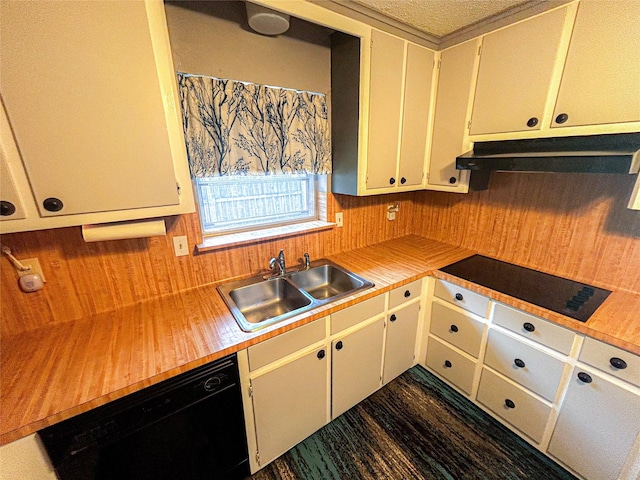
[54, 373]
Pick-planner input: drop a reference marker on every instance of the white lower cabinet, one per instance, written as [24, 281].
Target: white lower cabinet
[514, 404]
[290, 403]
[599, 422]
[402, 326]
[450, 364]
[523, 371]
[356, 366]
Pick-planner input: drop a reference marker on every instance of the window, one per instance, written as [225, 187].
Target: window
[235, 203]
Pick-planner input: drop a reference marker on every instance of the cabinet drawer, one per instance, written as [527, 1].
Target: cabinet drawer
[538, 371]
[611, 359]
[547, 333]
[515, 405]
[357, 313]
[472, 301]
[451, 365]
[405, 293]
[456, 328]
[278, 347]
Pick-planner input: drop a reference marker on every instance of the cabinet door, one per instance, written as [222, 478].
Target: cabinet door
[290, 403]
[454, 85]
[10, 205]
[601, 79]
[356, 366]
[597, 426]
[415, 117]
[80, 85]
[385, 95]
[402, 327]
[516, 65]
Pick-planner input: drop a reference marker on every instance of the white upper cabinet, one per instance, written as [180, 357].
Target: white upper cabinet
[385, 108]
[516, 66]
[89, 94]
[456, 73]
[415, 118]
[601, 79]
[380, 113]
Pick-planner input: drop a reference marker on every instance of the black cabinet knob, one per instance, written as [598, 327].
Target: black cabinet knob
[459, 297]
[403, 180]
[532, 122]
[453, 180]
[453, 328]
[393, 317]
[563, 117]
[7, 208]
[52, 204]
[321, 354]
[529, 327]
[407, 293]
[339, 345]
[392, 180]
[585, 377]
[618, 363]
[519, 363]
[509, 403]
[447, 364]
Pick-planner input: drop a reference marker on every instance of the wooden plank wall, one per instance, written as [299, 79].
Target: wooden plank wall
[574, 225]
[87, 278]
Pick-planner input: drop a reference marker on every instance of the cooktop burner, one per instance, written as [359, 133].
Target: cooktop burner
[573, 299]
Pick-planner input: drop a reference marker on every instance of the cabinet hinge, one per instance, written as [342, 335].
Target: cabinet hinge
[439, 63]
[258, 457]
[479, 50]
[469, 125]
[250, 389]
[178, 187]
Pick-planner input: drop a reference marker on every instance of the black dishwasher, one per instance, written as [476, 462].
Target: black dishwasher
[188, 427]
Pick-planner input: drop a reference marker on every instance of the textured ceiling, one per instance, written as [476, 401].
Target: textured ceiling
[439, 17]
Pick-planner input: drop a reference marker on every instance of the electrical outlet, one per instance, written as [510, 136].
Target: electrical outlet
[339, 219]
[180, 246]
[35, 268]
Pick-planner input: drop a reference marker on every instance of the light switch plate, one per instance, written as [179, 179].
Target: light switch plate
[339, 219]
[180, 246]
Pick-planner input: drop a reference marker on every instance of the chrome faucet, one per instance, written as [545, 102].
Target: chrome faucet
[307, 261]
[278, 262]
[282, 262]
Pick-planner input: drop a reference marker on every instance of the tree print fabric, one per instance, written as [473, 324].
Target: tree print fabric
[239, 128]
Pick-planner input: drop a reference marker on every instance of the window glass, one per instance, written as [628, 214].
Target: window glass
[242, 202]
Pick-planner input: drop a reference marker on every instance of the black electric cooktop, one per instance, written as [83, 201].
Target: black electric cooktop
[573, 299]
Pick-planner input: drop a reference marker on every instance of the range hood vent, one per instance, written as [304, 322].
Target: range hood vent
[613, 153]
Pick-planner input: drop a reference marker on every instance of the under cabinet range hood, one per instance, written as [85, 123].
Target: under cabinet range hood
[611, 153]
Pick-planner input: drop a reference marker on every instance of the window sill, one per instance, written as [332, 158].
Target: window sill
[245, 238]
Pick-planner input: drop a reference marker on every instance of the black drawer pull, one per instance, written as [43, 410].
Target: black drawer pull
[393, 317]
[509, 403]
[519, 363]
[459, 297]
[7, 208]
[585, 377]
[532, 122]
[339, 345]
[453, 328]
[562, 118]
[403, 180]
[52, 204]
[392, 180]
[321, 354]
[407, 294]
[529, 327]
[618, 363]
[447, 364]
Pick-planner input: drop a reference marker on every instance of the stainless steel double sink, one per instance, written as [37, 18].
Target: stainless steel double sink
[258, 302]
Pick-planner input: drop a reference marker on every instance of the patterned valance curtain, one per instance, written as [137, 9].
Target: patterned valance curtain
[239, 128]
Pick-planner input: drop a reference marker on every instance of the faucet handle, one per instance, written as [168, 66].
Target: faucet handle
[307, 261]
[272, 263]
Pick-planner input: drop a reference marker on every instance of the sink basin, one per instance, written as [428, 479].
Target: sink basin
[258, 301]
[268, 299]
[326, 281]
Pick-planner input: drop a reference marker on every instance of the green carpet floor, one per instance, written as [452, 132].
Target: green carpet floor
[416, 427]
